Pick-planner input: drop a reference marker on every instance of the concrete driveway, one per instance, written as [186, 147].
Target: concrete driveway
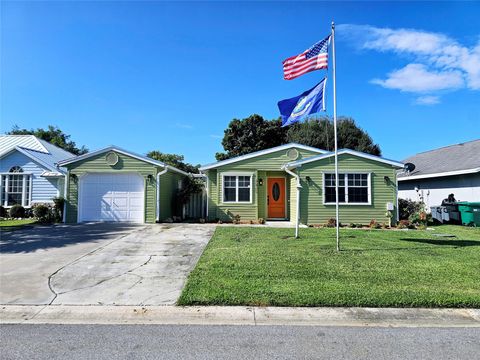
[95, 264]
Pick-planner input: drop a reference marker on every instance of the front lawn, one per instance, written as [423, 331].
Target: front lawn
[14, 224]
[268, 267]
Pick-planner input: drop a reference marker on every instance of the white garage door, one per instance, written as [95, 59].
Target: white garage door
[111, 197]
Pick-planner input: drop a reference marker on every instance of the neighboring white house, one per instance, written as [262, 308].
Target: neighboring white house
[453, 169]
[28, 170]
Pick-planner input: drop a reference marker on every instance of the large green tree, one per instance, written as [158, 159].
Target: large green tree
[255, 133]
[251, 134]
[319, 133]
[54, 136]
[173, 160]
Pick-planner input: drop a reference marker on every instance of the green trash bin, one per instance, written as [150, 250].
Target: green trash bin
[470, 213]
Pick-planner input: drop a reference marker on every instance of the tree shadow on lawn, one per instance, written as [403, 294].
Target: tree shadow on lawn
[447, 242]
[32, 238]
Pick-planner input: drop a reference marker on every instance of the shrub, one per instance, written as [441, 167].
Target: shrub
[3, 212]
[236, 219]
[331, 223]
[41, 211]
[59, 203]
[406, 208]
[403, 224]
[261, 221]
[17, 211]
[352, 225]
[374, 224]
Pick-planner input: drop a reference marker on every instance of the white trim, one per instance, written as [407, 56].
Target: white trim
[236, 175]
[157, 211]
[286, 198]
[299, 187]
[259, 153]
[345, 151]
[80, 190]
[124, 152]
[25, 177]
[396, 198]
[31, 156]
[440, 174]
[346, 173]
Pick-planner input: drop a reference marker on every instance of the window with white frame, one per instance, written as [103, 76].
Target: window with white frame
[15, 187]
[353, 188]
[237, 188]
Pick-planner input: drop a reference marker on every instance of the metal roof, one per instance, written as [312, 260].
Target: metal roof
[259, 153]
[125, 152]
[449, 160]
[298, 163]
[39, 150]
[9, 142]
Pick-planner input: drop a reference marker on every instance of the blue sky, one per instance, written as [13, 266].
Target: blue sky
[170, 76]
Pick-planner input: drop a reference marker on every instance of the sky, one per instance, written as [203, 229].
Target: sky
[170, 76]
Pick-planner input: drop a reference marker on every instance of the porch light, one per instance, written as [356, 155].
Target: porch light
[309, 180]
[260, 182]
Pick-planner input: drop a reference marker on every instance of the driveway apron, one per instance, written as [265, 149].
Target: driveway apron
[146, 265]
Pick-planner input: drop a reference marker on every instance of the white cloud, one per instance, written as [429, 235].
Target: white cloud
[440, 62]
[427, 100]
[417, 78]
[183, 126]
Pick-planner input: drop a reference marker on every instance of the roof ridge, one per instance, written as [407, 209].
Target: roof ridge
[445, 147]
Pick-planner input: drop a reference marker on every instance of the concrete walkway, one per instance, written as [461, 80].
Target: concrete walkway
[239, 315]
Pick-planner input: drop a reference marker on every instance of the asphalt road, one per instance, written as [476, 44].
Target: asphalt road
[235, 342]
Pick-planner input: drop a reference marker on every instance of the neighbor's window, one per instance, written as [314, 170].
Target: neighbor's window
[237, 188]
[15, 187]
[352, 188]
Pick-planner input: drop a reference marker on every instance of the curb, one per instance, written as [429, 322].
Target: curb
[239, 315]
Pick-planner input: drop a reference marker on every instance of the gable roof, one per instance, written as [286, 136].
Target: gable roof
[259, 153]
[124, 152]
[298, 163]
[9, 142]
[40, 151]
[463, 158]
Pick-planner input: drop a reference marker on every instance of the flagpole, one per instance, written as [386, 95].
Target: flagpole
[337, 180]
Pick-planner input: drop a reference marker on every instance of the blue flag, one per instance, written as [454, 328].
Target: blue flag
[299, 107]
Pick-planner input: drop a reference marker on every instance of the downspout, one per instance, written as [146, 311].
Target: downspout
[64, 215]
[396, 197]
[158, 192]
[204, 176]
[299, 186]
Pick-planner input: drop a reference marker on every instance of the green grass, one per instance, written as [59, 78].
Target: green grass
[268, 267]
[15, 224]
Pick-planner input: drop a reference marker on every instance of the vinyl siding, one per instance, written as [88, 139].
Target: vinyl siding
[312, 210]
[168, 187]
[261, 167]
[125, 164]
[43, 189]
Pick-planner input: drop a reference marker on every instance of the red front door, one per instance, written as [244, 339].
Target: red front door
[276, 196]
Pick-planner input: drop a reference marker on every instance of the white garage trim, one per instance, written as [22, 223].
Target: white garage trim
[112, 196]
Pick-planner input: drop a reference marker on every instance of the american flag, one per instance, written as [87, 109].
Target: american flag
[314, 58]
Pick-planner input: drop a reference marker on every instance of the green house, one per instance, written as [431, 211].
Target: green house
[293, 180]
[113, 184]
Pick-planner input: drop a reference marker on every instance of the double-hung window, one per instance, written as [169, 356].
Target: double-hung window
[353, 188]
[15, 187]
[237, 188]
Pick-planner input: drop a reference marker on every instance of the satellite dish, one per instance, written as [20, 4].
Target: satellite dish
[409, 167]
